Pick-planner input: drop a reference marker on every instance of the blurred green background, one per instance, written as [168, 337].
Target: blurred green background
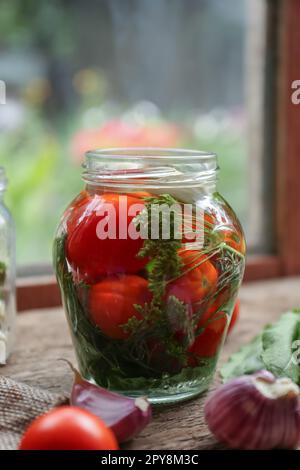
[115, 73]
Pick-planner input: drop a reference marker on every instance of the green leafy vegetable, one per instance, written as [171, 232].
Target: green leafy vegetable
[277, 343]
[273, 350]
[246, 361]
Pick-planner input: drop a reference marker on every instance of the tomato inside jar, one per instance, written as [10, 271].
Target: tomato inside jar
[149, 268]
[93, 254]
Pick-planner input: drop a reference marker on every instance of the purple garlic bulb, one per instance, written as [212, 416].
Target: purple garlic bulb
[256, 412]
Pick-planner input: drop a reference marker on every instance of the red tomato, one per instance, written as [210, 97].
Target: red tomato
[235, 316]
[193, 287]
[197, 283]
[220, 300]
[140, 194]
[214, 322]
[208, 342]
[226, 230]
[68, 428]
[92, 257]
[235, 240]
[72, 213]
[111, 302]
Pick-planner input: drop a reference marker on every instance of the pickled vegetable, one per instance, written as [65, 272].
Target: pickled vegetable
[148, 315]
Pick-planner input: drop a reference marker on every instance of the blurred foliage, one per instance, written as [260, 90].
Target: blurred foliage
[44, 173]
[68, 105]
[40, 182]
[37, 23]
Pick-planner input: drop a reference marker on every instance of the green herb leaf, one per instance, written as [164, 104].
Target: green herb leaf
[165, 260]
[246, 361]
[273, 350]
[277, 342]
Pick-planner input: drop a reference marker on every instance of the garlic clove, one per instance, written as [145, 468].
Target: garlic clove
[255, 412]
[126, 416]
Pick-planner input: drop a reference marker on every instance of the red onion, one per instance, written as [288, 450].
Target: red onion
[255, 412]
[125, 416]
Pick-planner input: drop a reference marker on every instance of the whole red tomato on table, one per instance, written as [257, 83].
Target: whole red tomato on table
[92, 257]
[68, 428]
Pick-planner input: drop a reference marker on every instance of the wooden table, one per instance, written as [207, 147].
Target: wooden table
[43, 338]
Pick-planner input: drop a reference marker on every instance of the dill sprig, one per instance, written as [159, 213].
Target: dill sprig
[159, 315]
[166, 263]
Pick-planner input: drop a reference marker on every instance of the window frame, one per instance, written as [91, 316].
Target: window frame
[283, 34]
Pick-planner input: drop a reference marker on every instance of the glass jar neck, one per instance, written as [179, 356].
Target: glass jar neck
[126, 169]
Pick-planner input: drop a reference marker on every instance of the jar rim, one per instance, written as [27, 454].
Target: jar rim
[150, 166]
[152, 153]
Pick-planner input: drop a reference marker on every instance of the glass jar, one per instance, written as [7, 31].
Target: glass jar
[149, 259]
[7, 276]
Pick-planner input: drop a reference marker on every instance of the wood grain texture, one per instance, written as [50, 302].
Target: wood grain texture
[43, 338]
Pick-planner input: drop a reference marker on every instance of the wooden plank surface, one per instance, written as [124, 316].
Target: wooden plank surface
[43, 338]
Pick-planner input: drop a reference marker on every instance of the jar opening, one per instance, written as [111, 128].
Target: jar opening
[151, 153]
[149, 166]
